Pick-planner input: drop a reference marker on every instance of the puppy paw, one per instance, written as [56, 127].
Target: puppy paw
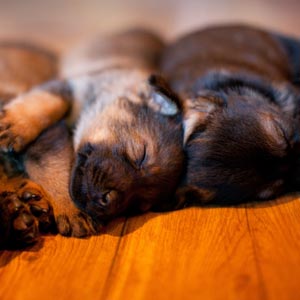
[25, 213]
[10, 132]
[75, 224]
[21, 226]
[25, 117]
[39, 205]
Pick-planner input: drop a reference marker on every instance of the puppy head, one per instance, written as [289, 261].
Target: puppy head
[239, 146]
[140, 163]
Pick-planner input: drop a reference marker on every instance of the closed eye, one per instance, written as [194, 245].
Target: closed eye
[141, 161]
[137, 163]
[284, 134]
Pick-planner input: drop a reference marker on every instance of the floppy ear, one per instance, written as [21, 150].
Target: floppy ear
[197, 110]
[162, 98]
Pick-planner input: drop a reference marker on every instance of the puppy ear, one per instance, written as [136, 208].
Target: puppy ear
[162, 98]
[197, 110]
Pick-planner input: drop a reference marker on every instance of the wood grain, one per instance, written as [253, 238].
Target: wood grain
[246, 252]
[275, 234]
[198, 254]
[61, 268]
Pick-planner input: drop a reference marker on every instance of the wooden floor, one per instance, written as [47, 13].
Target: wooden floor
[247, 252]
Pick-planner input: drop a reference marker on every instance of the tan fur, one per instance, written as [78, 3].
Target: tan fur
[35, 117]
[114, 87]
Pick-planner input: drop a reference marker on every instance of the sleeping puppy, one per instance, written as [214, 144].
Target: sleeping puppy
[241, 112]
[25, 208]
[128, 154]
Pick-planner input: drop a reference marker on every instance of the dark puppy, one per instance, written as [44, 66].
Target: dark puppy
[128, 133]
[241, 112]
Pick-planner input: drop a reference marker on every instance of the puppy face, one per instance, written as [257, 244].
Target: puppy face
[240, 146]
[139, 165]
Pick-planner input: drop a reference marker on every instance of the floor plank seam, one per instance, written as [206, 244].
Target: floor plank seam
[257, 266]
[106, 284]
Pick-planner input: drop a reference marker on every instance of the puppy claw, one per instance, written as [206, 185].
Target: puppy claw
[23, 221]
[10, 141]
[24, 228]
[63, 225]
[28, 195]
[37, 211]
[14, 205]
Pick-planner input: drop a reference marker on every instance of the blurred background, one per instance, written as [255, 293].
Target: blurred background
[60, 23]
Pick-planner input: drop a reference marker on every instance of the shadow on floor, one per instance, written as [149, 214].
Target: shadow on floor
[143, 219]
[7, 255]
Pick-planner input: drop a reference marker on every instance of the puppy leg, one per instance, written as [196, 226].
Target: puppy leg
[48, 162]
[25, 117]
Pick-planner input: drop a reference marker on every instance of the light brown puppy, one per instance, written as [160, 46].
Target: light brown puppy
[127, 136]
